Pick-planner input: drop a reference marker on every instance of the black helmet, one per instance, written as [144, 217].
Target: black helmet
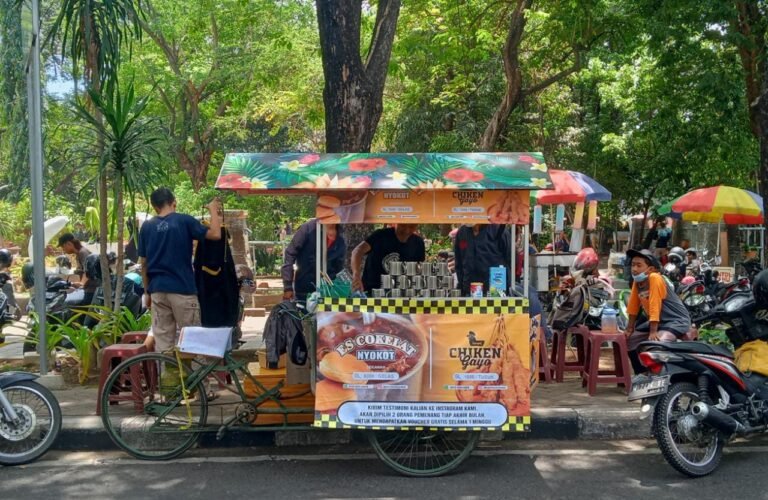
[760, 288]
[6, 258]
[111, 258]
[677, 254]
[28, 275]
[93, 267]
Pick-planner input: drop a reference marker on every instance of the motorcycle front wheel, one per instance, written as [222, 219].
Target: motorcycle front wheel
[692, 448]
[36, 428]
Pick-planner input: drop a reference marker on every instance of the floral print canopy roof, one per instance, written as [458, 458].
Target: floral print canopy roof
[310, 172]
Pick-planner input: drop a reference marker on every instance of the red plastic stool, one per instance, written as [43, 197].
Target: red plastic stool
[113, 356]
[133, 337]
[620, 374]
[545, 367]
[560, 365]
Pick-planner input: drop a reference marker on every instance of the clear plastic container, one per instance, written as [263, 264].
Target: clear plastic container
[609, 321]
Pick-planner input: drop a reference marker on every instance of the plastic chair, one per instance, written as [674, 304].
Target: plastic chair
[560, 365]
[115, 354]
[619, 374]
[133, 337]
[545, 367]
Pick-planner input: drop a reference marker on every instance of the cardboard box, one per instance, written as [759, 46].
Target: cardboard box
[262, 354]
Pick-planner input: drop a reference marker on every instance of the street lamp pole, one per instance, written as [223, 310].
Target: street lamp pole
[36, 177]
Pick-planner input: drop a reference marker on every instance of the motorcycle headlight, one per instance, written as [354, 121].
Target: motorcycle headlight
[694, 300]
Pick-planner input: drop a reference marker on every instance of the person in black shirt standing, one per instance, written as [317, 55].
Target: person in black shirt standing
[299, 282]
[477, 249]
[381, 247]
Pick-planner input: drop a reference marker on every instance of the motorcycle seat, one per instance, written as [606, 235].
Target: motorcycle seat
[695, 348]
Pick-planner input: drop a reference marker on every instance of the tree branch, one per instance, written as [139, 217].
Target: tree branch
[377, 62]
[554, 78]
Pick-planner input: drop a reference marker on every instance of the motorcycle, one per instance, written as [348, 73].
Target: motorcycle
[580, 300]
[696, 394]
[58, 306]
[30, 418]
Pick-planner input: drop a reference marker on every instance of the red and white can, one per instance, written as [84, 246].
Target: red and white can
[476, 290]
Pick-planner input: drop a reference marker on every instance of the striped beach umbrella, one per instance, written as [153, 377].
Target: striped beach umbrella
[571, 187]
[716, 204]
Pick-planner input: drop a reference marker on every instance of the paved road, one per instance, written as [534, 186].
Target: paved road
[568, 469]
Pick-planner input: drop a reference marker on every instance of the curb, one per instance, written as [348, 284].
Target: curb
[87, 433]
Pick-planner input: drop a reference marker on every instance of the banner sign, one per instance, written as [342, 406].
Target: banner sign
[436, 207]
[444, 363]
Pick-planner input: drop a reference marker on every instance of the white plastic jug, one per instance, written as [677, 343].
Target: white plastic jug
[609, 321]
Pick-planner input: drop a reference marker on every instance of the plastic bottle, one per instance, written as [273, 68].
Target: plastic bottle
[609, 321]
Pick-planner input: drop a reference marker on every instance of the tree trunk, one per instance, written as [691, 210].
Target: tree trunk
[106, 283]
[513, 74]
[353, 91]
[515, 93]
[762, 177]
[119, 267]
[92, 71]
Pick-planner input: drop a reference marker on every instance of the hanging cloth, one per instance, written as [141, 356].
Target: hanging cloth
[216, 282]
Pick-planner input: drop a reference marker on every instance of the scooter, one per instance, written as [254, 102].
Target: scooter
[698, 397]
[30, 418]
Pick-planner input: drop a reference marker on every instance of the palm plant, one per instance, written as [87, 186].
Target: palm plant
[94, 32]
[129, 157]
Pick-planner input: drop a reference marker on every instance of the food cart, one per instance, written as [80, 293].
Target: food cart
[422, 375]
[427, 370]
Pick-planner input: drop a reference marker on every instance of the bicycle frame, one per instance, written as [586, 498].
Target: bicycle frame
[233, 368]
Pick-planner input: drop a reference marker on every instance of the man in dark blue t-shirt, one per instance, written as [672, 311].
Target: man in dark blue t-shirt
[165, 251]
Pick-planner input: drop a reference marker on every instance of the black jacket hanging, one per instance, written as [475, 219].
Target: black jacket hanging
[216, 282]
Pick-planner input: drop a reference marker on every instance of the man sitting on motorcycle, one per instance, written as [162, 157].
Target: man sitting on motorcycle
[691, 264]
[665, 317]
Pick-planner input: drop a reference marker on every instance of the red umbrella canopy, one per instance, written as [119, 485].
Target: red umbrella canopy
[571, 187]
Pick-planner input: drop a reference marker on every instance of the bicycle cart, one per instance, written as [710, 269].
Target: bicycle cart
[422, 375]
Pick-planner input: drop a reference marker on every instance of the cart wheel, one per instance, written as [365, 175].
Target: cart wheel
[144, 413]
[423, 453]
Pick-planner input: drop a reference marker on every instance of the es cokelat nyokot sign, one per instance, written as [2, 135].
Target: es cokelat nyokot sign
[399, 363]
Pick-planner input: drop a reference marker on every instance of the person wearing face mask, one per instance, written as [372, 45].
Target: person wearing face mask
[655, 311]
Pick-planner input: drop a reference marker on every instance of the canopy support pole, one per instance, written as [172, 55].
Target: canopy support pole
[513, 259]
[717, 254]
[526, 260]
[318, 253]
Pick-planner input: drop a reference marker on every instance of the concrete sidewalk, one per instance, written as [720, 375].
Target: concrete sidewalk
[559, 411]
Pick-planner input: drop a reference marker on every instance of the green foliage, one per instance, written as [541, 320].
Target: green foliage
[267, 260]
[84, 342]
[715, 336]
[13, 101]
[112, 325]
[53, 335]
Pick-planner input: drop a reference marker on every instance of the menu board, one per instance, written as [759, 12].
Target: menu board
[445, 363]
[460, 206]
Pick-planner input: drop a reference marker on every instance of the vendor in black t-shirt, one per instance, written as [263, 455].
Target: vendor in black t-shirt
[382, 246]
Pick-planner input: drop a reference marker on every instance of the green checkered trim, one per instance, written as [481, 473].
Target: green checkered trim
[514, 424]
[404, 305]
